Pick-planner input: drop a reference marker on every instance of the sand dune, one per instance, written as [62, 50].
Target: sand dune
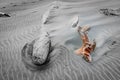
[58, 19]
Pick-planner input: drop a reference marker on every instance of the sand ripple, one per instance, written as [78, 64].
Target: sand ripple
[65, 65]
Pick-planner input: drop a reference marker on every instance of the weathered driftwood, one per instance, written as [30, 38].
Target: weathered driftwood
[4, 14]
[37, 51]
[74, 22]
[41, 48]
[110, 12]
[87, 46]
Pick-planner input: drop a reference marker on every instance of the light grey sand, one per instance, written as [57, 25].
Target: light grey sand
[25, 26]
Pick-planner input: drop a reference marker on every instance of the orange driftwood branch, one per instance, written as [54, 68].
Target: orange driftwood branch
[87, 46]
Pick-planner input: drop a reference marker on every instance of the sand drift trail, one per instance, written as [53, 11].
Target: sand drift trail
[53, 26]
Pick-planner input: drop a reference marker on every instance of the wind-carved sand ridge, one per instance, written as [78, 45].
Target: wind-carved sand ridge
[62, 63]
[37, 53]
[51, 12]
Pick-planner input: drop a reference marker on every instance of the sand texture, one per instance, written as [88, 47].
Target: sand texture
[60, 19]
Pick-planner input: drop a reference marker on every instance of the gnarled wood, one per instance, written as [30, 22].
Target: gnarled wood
[110, 12]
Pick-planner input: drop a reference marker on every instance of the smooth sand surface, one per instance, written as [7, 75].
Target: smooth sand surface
[25, 24]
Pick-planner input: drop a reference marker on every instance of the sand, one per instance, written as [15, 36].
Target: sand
[58, 18]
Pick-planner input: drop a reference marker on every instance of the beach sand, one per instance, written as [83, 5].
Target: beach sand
[26, 21]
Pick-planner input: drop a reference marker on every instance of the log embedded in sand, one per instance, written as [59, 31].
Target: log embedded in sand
[110, 12]
[37, 52]
[4, 14]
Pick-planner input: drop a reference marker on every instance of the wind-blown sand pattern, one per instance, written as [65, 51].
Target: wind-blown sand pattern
[25, 26]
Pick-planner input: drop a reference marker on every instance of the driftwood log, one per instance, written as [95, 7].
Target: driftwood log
[110, 12]
[4, 14]
[36, 52]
